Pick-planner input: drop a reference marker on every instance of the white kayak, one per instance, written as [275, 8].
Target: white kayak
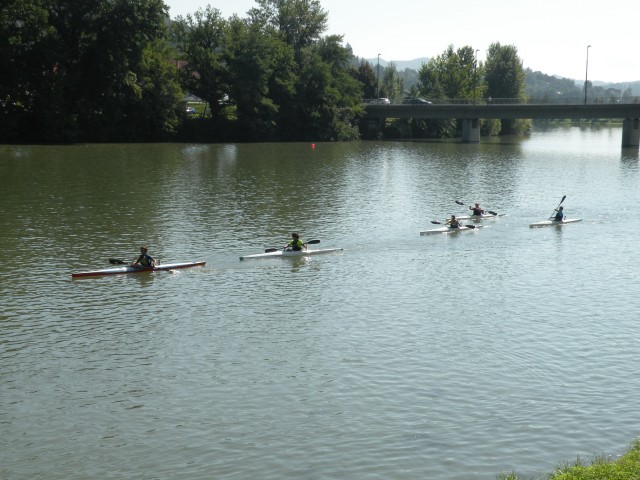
[548, 223]
[486, 216]
[291, 253]
[449, 229]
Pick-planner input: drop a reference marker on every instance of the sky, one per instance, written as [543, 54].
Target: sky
[551, 36]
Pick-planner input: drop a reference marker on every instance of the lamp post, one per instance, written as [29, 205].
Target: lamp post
[475, 78]
[378, 85]
[586, 75]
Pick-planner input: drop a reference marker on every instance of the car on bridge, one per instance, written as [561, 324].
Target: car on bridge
[380, 101]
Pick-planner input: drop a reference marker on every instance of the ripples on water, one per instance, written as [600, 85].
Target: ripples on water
[448, 356]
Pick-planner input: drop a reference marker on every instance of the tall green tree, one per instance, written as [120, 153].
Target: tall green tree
[328, 97]
[75, 67]
[391, 85]
[261, 78]
[366, 75]
[505, 78]
[25, 64]
[451, 75]
[300, 23]
[201, 39]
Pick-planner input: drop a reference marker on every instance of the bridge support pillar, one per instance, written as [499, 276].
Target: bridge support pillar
[631, 132]
[471, 130]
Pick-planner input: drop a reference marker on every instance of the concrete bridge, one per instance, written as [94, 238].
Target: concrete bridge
[470, 113]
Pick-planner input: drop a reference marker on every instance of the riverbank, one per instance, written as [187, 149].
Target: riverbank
[627, 467]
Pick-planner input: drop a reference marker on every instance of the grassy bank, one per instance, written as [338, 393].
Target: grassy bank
[627, 467]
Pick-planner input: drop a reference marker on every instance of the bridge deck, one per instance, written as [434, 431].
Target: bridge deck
[504, 111]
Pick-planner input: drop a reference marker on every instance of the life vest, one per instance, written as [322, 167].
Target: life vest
[296, 245]
[145, 260]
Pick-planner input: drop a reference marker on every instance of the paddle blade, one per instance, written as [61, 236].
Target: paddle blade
[562, 200]
[493, 213]
[472, 226]
[310, 242]
[271, 250]
[116, 261]
[436, 222]
[459, 202]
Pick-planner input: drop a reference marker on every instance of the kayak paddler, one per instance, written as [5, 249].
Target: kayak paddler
[144, 260]
[477, 211]
[560, 215]
[295, 244]
[453, 222]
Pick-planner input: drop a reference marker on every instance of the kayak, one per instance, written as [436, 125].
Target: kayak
[130, 269]
[448, 230]
[486, 216]
[291, 253]
[547, 223]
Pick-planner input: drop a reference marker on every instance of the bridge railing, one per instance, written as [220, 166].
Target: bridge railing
[507, 101]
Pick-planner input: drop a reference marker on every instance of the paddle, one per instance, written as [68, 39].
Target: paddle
[553, 214]
[440, 223]
[489, 211]
[117, 261]
[271, 250]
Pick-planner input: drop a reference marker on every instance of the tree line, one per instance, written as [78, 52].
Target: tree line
[118, 71]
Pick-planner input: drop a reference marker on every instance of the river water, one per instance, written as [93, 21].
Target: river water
[450, 357]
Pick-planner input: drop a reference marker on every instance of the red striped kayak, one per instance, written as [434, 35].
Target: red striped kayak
[130, 269]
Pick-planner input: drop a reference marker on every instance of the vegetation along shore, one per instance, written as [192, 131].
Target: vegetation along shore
[626, 467]
[123, 71]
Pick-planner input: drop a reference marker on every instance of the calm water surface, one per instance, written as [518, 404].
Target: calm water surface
[403, 357]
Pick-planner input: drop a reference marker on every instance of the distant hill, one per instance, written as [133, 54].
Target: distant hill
[400, 64]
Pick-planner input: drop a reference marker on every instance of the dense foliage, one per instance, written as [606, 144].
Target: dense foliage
[281, 77]
[85, 70]
[119, 70]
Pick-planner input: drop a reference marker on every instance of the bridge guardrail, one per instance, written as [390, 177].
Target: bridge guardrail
[511, 101]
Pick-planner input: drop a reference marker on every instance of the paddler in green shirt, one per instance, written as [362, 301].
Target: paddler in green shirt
[453, 222]
[295, 244]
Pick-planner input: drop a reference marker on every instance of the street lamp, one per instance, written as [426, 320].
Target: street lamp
[378, 86]
[475, 77]
[586, 75]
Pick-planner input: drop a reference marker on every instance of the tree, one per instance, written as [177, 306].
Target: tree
[366, 75]
[392, 85]
[300, 23]
[328, 95]
[326, 98]
[201, 38]
[260, 78]
[505, 78]
[24, 31]
[451, 75]
[75, 67]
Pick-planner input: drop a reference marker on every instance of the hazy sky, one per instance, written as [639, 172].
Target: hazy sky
[551, 35]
